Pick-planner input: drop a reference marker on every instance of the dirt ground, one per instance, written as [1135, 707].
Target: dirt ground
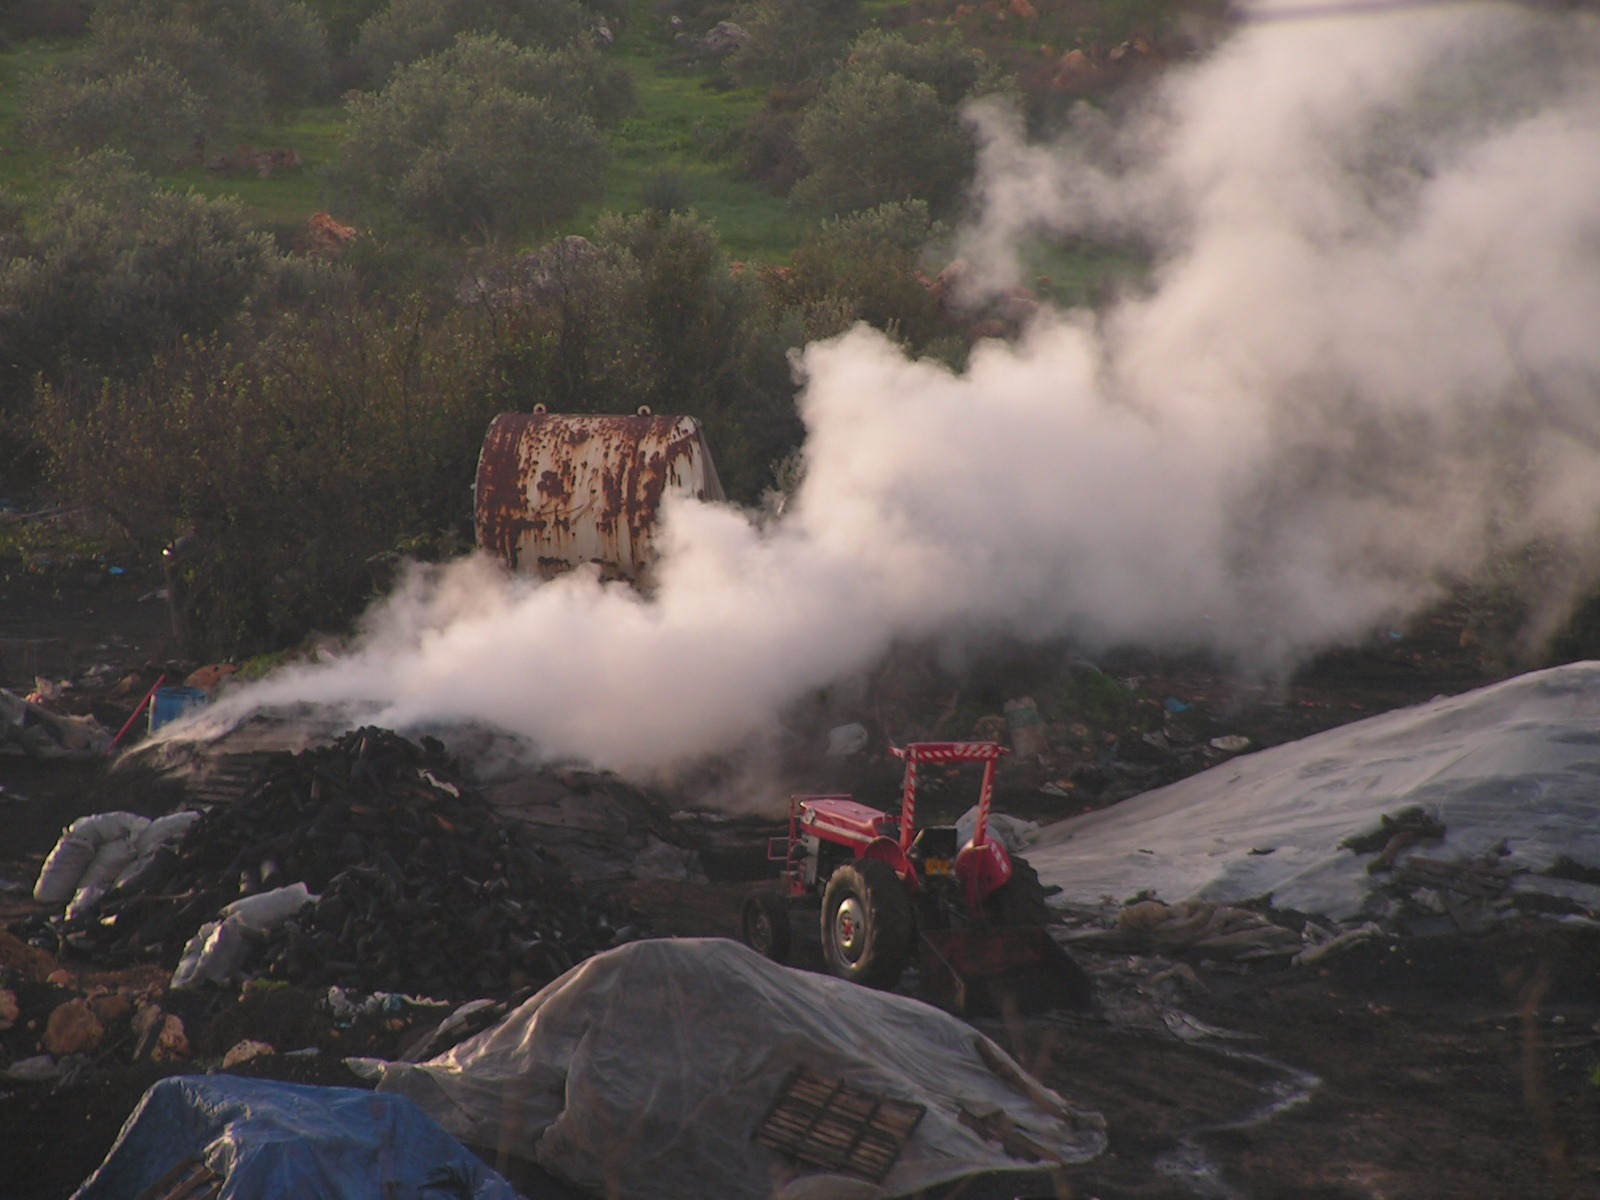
[1419, 1070]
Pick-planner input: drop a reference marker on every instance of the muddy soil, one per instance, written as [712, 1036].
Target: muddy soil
[1455, 1067]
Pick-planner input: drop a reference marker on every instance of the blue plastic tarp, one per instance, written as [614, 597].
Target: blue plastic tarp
[274, 1140]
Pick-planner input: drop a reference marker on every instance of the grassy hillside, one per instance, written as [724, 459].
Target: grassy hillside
[676, 139]
[681, 143]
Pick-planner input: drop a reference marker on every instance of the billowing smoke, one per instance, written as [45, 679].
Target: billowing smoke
[1365, 365]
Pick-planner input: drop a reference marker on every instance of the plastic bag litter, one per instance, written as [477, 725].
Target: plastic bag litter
[39, 733]
[644, 1072]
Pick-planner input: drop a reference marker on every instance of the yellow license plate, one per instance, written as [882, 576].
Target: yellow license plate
[938, 866]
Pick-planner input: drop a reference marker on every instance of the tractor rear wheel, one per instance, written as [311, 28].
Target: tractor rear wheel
[867, 923]
[766, 927]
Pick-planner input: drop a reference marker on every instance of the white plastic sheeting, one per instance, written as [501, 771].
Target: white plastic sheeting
[645, 1071]
[1516, 764]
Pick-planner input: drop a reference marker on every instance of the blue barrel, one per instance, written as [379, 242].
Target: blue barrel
[170, 703]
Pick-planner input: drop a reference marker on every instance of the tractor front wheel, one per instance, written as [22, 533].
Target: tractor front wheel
[867, 924]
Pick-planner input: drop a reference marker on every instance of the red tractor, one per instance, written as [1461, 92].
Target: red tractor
[972, 916]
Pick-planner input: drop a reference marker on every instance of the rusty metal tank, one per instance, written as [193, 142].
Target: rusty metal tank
[558, 490]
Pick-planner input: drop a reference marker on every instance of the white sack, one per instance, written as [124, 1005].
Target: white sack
[90, 853]
[218, 952]
[163, 831]
[642, 1074]
[265, 911]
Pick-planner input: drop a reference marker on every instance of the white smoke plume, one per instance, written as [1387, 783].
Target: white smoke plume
[1366, 364]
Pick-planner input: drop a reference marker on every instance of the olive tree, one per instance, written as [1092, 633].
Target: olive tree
[114, 271]
[42, 18]
[792, 42]
[945, 62]
[887, 126]
[145, 109]
[485, 138]
[409, 30]
[118, 268]
[298, 453]
[161, 81]
[282, 41]
[919, 148]
[868, 266]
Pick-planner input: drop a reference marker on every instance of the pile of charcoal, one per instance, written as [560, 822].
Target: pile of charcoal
[423, 887]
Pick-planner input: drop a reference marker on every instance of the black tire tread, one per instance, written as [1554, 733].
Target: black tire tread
[777, 915]
[891, 924]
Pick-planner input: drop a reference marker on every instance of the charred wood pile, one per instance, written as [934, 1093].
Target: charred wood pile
[418, 885]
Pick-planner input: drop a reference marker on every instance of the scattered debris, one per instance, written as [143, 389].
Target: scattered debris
[845, 740]
[31, 729]
[211, 678]
[720, 40]
[72, 1029]
[1395, 835]
[1216, 930]
[1340, 941]
[324, 237]
[1029, 738]
[243, 1052]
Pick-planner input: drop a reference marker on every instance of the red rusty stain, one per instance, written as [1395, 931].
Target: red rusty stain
[552, 484]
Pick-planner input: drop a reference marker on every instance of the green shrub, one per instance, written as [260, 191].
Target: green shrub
[162, 81]
[946, 63]
[21, 19]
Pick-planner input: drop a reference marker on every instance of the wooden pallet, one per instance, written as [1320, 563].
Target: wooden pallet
[829, 1124]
